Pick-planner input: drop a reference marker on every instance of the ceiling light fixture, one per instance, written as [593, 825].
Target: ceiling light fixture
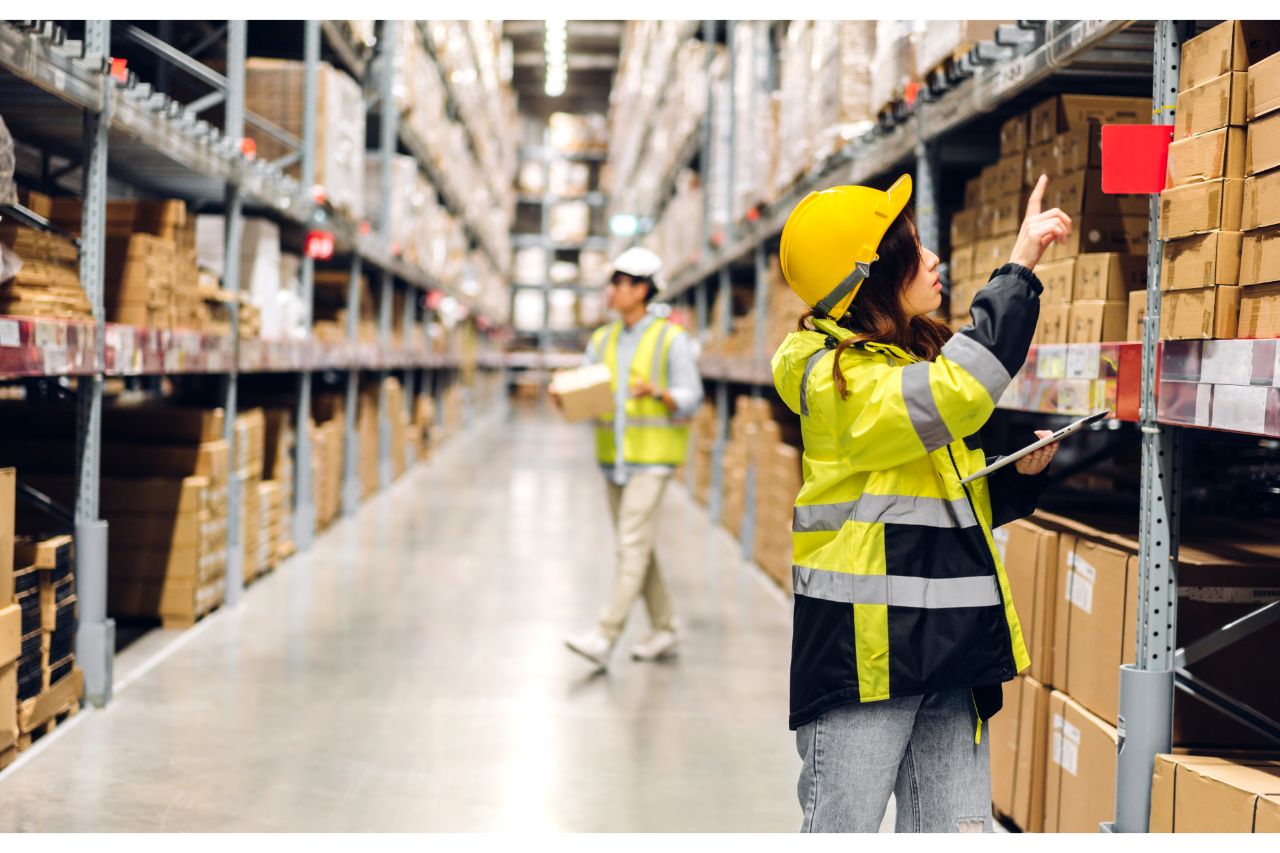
[555, 45]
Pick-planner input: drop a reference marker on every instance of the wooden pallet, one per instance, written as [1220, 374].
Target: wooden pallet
[26, 740]
[7, 757]
[42, 714]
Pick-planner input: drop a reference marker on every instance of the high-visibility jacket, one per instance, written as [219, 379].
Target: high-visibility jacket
[651, 436]
[898, 586]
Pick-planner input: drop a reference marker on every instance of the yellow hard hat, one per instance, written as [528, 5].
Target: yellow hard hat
[831, 238]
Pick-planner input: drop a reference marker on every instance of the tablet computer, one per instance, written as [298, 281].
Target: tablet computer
[1067, 430]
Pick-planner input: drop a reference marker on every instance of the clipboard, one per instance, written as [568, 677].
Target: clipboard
[1069, 429]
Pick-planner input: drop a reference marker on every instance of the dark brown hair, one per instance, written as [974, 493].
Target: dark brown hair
[877, 315]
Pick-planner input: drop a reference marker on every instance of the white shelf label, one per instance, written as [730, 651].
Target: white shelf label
[10, 333]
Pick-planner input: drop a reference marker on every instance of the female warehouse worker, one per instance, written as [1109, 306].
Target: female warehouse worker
[904, 624]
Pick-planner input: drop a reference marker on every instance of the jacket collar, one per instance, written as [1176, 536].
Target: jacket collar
[835, 330]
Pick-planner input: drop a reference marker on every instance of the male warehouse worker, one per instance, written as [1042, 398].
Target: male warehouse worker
[658, 389]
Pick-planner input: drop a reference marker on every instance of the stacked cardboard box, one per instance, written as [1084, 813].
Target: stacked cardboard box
[398, 416]
[1088, 280]
[778, 481]
[48, 282]
[327, 457]
[367, 438]
[424, 419]
[274, 90]
[1215, 793]
[940, 42]
[702, 439]
[838, 84]
[248, 466]
[10, 623]
[1260, 260]
[278, 473]
[894, 65]
[48, 600]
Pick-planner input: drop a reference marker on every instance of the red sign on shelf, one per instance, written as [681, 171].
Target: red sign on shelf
[319, 245]
[1135, 157]
[249, 148]
[120, 69]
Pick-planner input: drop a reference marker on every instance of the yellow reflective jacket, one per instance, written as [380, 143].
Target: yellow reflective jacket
[898, 586]
[652, 435]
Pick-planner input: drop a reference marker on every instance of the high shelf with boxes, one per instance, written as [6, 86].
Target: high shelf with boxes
[559, 273]
[140, 270]
[1096, 593]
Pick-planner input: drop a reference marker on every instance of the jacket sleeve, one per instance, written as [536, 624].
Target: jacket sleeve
[1014, 495]
[904, 413]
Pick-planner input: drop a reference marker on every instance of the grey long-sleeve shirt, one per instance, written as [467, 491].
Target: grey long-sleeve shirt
[683, 381]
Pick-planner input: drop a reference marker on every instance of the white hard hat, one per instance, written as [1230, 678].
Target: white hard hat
[639, 262]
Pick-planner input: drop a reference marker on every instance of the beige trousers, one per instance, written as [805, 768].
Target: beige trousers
[635, 515]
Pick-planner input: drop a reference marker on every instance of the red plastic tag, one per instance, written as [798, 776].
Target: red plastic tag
[319, 245]
[1135, 157]
[912, 92]
[120, 69]
[249, 148]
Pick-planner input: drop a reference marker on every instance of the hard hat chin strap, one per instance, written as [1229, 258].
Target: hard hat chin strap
[827, 304]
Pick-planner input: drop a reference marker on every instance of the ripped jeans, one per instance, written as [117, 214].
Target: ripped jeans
[919, 748]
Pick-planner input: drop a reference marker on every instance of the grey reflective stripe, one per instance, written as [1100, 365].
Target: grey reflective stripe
[804, 380]
[981, 363]
[656, 377]
[907, 509]
[896, 590]
[884, 509]
[822, 518]
[921, 407]
[843, 289]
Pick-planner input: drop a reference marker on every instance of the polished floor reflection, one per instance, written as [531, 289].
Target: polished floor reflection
[408, 674]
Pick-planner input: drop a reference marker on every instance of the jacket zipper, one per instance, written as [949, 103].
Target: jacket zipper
[1004, 605]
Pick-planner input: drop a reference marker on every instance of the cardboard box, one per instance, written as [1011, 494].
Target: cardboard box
[585, 392]
[10, 633]
[1264, 86]
[1126, 235]
[962, 293]
[1201, 208]
[962, 263]
[1260, 311]
[1039, 160]
[1006, 214]
[1002, 178]
[1029, 552]
[1013, 136]
[1260, 256]
[1054, 325]
[994, 252]
[1262, 145]
[973, 192]
[964, 227]
[1080, 778]
[8, 497]
[1137, 315]
[1220, 102]
[210, 459]
[1261, 201]
[1201, 261]
[1096, 321]
[1081, 192]
[1077, 150]
[1207, 157]
[8, 707]
[1058, 279]
[1203, 313]
[1071, 112]
[1019, 739]
[1094, 627]
[1210, 794]
[1108, 275]
[1230, 46]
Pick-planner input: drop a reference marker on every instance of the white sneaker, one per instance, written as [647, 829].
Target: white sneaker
[592, 645]
[660, 645]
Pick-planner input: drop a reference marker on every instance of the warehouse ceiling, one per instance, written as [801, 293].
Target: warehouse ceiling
[593, 57]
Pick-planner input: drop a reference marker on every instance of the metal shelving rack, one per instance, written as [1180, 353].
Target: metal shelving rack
[994, 74]
[167, 150]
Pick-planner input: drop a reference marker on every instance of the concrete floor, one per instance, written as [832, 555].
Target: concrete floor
[408, 673]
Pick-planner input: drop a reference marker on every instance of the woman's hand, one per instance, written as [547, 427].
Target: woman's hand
[1039, 230]
[1037, 460]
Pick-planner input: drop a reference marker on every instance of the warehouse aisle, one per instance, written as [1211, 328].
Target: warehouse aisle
[408, 674]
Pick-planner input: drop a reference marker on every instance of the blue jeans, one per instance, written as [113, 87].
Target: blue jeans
[919, 748]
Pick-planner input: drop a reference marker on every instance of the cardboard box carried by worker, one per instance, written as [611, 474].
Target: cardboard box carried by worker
[585, 392]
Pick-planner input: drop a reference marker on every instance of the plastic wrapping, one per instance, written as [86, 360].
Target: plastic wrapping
[8, 164]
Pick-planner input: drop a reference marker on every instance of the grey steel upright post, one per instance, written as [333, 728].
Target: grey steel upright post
[749, 519]
[95, 638]
[927, 216]
[304, 508]
[1145, 724]
[237, 41]
[352, 488]
[387, 132]
[716, 507]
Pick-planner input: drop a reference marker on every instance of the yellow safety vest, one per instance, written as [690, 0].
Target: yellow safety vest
[899, 589]
[651, 436]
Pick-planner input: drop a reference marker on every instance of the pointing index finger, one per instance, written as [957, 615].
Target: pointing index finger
[1037, 196]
